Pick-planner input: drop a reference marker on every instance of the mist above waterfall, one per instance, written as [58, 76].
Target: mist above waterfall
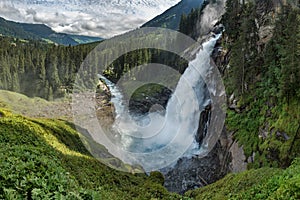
[155, 140]
[211, 15]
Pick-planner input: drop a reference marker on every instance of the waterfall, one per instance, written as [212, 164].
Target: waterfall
[158, 140]
[117, 96]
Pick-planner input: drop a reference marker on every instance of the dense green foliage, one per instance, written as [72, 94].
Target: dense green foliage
[264, 77]
[37, 69]
[47, 159]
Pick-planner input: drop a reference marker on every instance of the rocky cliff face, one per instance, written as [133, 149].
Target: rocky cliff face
[210, 18]
[265, 16]
[228, 155]
[190, 173]
[195, 172]
[150, 102]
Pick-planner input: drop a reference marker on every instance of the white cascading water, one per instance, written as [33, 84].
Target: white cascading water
[171, 134]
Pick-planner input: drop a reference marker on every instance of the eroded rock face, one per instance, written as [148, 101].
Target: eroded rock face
[203, 124]
[195, 172]
[211, 16]
[238, 159]
[150, 103]
[265, 19]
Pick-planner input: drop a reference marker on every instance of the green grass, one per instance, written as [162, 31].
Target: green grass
[43, 158]
[264, 183]
[13, 99]
[37, 107]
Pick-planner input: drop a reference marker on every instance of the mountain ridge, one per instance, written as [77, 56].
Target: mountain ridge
[29, 31]
[171, 17]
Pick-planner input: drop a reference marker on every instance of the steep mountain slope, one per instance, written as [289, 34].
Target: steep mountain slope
[9, 28]
[260, 65]
[171, 17]
[46, 159]
[41, 32]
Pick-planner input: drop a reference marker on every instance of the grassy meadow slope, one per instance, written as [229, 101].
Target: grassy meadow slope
[46, 158]
[35, 107]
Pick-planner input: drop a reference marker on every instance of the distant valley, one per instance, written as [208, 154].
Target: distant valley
[28, 31]
[42, 32]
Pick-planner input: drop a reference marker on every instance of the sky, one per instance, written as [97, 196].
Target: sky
[102, 18]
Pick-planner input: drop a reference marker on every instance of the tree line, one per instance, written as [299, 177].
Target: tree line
[273, 67]
[38, 69]
[188, 22]
[48, 71]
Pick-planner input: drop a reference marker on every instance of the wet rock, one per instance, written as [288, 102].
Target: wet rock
[195, 172]
[203, 124]
[154, 101]
[264, 132]
[251, 158]
[282, 135]
[218, 29]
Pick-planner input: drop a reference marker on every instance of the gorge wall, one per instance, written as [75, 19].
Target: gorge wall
[258, 19]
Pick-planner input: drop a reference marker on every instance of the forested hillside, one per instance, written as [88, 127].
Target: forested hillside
[48, 71]
[37, 69]
[262, 41]
[171, 18]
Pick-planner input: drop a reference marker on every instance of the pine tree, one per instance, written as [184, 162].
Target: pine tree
[52, 71]
[289, 60]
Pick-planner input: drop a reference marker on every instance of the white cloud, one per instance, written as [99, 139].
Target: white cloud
[89, 17]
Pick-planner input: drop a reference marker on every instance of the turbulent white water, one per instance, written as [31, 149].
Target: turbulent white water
[117, 96]
[152, 140]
